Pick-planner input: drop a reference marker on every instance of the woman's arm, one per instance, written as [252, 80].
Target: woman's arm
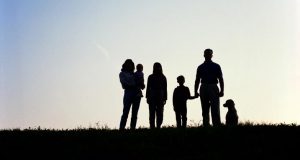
[165, 88]
[127, 80]
[148, 88]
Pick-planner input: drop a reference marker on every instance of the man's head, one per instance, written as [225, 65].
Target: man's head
[139, 67]
[180, 80]
[208, 54]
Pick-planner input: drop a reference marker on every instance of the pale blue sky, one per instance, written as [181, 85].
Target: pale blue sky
[60, 59]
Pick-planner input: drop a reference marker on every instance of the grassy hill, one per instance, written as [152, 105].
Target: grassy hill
[241, 142]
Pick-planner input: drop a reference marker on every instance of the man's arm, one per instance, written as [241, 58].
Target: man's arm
[188, 94]
[148, 87]
[221, 86]
[221, 81]
[197, 82]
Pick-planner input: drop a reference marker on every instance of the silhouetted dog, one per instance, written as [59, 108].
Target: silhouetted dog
[231, 116]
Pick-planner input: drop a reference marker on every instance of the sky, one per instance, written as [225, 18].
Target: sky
[60, 60]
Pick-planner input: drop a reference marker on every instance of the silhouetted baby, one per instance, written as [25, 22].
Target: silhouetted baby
[139, 79]
[231, 116]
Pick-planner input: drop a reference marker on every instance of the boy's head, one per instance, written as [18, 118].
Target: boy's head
[208, 54]
[180, 80]
[139, 67]
[229, 103]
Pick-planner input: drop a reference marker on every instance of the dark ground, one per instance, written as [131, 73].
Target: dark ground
[241, 142]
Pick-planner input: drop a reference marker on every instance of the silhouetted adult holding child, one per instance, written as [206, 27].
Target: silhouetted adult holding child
[210, 74]
[156, 94]
[180, 96]
[231, 116]
[131, 97]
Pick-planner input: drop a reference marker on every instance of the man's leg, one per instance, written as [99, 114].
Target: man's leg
[215, 105]
[205, 104]
[134, 112]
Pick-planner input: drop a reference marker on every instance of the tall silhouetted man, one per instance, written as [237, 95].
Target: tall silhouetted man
[210, 74]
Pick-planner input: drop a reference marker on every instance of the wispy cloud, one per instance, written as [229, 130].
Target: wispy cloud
[103, 51]
[107, 56]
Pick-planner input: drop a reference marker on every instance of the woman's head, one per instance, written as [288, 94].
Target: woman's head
[128, 66]
[157, 68]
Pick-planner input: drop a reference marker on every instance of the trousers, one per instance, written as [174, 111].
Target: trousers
[156, 110]
[210, 100]
[130, 99]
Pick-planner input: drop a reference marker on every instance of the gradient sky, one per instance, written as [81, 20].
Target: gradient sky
[60, 59]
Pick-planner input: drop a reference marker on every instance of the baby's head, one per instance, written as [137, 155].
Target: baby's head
[180, 80]
[139, 67]
[229, 104]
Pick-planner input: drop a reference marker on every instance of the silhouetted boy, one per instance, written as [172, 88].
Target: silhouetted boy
[231, 116]
[180, 96]
[139, 79]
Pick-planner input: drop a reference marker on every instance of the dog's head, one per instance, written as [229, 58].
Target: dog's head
[229, 103]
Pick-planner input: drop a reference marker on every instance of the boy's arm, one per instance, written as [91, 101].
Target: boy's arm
[143, 83]
[174, 99]
[189, 94]
[193, 97]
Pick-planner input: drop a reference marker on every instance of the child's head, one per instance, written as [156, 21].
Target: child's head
[139, 67]
[180, 80]
[229, 103]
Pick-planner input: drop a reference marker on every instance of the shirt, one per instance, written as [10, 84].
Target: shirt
[139, 79]
[209, 72]
[127, 80]
[156, 87]
[180, 96]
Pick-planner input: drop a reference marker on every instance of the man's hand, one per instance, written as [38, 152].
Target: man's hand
[221, 94]
[143, 86]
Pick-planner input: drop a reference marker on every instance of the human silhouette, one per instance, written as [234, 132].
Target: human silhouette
[210, 74]
[156, 94]
[180, 96]
[139, 79]
[131, 92]
[231, 116]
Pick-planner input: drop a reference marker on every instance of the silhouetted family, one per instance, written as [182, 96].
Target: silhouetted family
[209, 74]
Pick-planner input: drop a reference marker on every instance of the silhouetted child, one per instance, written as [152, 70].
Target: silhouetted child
[231, 116]
[139, 79]
[180, 96]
